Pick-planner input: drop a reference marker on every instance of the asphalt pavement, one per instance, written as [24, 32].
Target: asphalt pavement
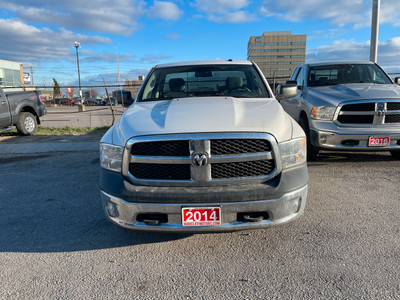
[56, 243]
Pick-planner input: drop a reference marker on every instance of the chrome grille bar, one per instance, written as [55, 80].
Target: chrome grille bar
[201, 160]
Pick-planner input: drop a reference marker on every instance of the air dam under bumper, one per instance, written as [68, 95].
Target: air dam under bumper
[275, 211]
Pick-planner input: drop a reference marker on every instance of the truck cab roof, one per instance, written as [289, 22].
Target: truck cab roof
[204, 62]
[336, 62]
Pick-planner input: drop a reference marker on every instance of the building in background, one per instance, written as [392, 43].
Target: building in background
[11, 74]
[133, 85]
[277, 53]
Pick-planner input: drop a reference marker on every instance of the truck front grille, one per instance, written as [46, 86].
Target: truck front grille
[377, 112]
[355, 119]
[239, 146]
[393, 106]
[242, 169]
[160, 171]
[392, 119]
[161, 148]
[201, 159]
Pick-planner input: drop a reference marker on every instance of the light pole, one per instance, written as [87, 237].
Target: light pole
[373, 52]
[81, 107]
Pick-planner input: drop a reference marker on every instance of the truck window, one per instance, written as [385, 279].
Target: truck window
[295, 72]
[300, 78]
[149, 88]
[346, 74]
[204, 81]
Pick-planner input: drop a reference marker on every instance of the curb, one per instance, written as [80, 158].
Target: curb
[29, 148]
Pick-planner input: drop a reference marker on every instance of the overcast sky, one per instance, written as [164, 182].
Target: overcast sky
[138, 34]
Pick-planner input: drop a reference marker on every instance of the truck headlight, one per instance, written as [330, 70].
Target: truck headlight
[323, 112]
[293, 152]
[111, 157]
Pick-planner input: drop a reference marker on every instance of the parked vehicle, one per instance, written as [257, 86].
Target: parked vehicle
[204, 147]
[91, 102]
[123, 97]
[61, 101]
[106, 102]
[346, 106]
[69, 101]
[77, 101]
[21, 109]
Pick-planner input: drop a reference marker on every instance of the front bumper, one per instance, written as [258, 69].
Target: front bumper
[278, 201]
[327, 135]
[279, 211]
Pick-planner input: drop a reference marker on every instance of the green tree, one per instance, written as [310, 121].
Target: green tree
[57, 90]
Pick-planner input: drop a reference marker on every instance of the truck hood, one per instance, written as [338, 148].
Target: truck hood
[335, 94]
[202, 115]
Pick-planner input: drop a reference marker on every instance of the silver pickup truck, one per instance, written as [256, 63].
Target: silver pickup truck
[204, 147]
[346, 106]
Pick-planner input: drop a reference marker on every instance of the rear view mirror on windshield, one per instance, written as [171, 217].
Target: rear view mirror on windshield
[203, 72]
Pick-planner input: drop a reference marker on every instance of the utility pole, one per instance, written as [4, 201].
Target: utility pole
[21, 71]
[119, 79]
[32, 84]
[373, 54]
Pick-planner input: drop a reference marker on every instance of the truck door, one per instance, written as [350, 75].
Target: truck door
[292, 105]
[5, 117]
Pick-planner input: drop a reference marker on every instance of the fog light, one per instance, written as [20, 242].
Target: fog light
[322, 139]
[296, 205]
[110, 209]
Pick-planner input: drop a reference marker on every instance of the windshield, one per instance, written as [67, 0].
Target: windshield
[203, 81]
[346, 73]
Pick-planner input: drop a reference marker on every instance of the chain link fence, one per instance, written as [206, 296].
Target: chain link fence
[73, 116]
[102, 105]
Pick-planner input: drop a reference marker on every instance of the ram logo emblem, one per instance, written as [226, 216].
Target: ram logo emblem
[199, 159]
[380, 109]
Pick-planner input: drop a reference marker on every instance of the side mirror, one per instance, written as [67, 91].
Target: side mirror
[291, 82]
[299, 87]
[123, 97]
[397, 80]
[286, 91]
[128, 100]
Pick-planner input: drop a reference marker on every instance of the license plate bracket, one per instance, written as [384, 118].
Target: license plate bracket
[378, 141]
[201, 216]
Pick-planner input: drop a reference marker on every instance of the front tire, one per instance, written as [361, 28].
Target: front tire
[312, 152]
[27, 124]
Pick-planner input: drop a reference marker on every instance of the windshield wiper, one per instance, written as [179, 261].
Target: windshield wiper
[157, 99]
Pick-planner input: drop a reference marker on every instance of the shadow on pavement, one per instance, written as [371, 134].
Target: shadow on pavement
[51, 203]
[53, 226]
[38, 234]
[326, 157]
[83, 137]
